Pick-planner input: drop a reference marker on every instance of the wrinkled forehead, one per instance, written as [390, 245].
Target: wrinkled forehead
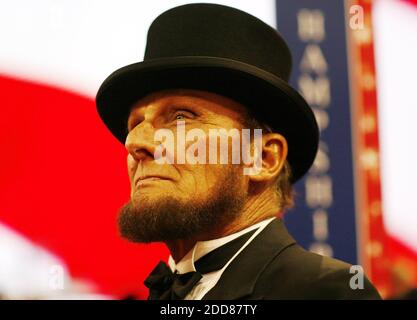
[203, 100]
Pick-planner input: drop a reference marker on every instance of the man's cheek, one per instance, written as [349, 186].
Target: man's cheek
[209, 175]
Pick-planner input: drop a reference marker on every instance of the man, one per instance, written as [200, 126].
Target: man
[210, 67]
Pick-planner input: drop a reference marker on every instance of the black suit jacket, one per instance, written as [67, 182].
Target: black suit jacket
[274, 266]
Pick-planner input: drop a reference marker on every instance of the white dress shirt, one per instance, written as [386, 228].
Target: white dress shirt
[201, 248]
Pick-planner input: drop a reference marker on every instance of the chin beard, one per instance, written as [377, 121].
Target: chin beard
[169, 218]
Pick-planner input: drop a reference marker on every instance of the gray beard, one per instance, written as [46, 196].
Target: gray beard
[171, 219]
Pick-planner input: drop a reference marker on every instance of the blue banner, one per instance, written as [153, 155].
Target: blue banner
[323, 219]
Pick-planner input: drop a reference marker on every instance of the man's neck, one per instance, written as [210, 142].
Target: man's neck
[255, 210]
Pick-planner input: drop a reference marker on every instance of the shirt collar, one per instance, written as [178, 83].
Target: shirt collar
[201, 248]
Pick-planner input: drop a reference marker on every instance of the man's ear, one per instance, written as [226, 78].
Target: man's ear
[274, 153]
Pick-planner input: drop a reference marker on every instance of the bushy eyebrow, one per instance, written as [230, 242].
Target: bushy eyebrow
[132, 117]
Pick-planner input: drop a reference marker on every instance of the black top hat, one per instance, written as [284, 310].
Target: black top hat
[225, 51]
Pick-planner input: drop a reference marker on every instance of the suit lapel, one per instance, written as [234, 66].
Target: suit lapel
[239, 278]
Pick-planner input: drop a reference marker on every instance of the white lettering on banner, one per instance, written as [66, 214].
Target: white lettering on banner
[322, 119]
[310, 25]
[315, 91]
[319, 191]
[321, 231]
[313, 59]
[322, 162]
[314, 85]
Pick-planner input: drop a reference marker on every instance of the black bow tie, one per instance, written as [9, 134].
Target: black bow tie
[163, 284]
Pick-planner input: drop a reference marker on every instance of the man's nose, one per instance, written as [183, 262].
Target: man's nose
[140, 142]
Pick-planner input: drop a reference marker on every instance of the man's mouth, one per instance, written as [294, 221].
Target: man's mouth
[149, 179]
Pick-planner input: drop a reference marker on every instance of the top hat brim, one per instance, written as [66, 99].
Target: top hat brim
[270, 99]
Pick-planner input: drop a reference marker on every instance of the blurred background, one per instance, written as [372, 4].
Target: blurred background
[63, 175]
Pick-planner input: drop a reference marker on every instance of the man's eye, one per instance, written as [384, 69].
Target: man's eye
[183, 114]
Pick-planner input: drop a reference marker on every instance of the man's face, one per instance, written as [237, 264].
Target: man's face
[174, 200]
